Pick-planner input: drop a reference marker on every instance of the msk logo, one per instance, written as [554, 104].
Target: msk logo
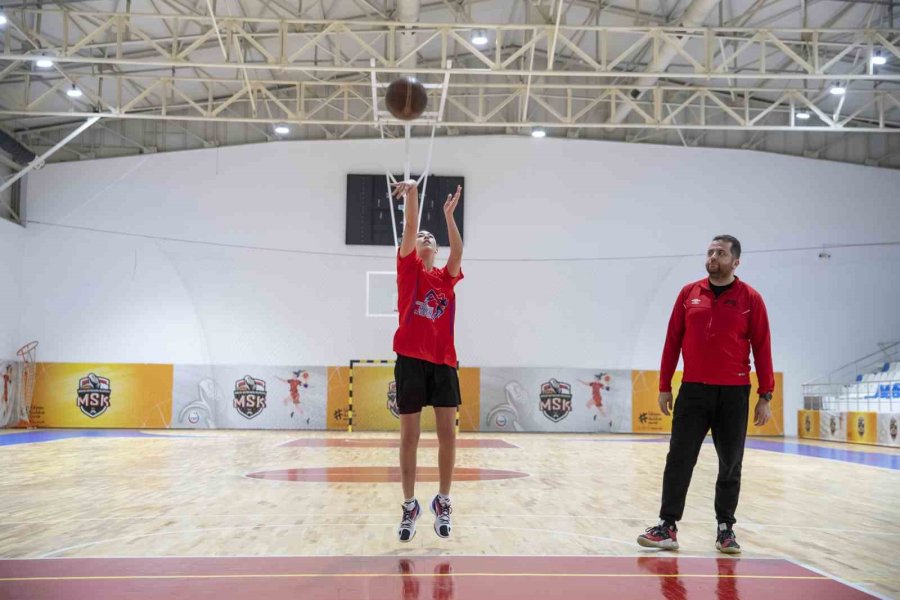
[249, 396]
[93, 395]
[556, 400]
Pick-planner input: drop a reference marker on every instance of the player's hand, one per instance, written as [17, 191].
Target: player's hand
[452, 201]
[763, 413]
[407, 190]
[665, 402]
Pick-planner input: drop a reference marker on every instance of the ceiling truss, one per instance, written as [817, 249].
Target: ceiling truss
[179, 74]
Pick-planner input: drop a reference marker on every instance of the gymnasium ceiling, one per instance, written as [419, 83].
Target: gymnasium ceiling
[167, 75]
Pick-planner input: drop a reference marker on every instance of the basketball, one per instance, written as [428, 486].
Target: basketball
[406, 98]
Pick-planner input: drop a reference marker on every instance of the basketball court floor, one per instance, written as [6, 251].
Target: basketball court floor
[276, 515]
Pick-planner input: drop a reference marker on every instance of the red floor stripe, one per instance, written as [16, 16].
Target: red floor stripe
[434, 578]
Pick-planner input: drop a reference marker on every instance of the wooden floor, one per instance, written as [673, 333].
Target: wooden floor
[163, 494]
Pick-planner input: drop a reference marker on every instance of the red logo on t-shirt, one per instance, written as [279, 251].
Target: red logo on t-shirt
[433, 306]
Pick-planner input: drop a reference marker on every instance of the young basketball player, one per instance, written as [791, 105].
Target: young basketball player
[426, 366]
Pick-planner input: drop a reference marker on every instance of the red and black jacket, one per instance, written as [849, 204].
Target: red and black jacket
[715, 336]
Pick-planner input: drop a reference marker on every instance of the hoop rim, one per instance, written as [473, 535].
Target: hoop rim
[27, 349]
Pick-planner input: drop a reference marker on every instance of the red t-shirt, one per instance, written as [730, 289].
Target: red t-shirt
[427, 306]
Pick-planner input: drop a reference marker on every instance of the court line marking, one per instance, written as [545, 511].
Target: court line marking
[457, 481]
[877, 509]
[458, 477]
[435, 575]
[305, 526]
[838, 579]
[786, 440]
[822, 575]
[626, 437]
[533, 474]
[322, 523]
[396, 438]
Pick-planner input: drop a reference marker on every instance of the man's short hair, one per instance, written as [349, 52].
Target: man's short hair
[735, 244]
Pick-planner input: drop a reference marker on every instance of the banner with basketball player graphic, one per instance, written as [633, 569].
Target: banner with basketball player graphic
[249, 397]
[89, 395]
[555, 399]
[887, 429]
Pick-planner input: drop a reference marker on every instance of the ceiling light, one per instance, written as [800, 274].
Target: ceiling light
[479, 37]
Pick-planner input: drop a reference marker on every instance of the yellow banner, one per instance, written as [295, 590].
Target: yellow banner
[338, 390]
[646, 416]
[375, 400]
[808, 424]
[102, 395]
[470, 390]
[862, 427]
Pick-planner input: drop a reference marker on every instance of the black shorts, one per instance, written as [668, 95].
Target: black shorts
[421, 383]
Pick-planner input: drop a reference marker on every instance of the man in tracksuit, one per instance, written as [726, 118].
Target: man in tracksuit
[714, 324]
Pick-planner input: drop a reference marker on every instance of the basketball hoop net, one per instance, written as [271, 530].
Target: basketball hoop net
[28, 368]
[428, 118]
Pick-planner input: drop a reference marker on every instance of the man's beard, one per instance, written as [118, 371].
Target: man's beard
[717, 270]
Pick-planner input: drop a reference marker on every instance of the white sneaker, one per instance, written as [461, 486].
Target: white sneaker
[411, 514]
[441, 511]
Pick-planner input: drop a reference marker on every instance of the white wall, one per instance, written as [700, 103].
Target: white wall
[91, 295]
[11, 249]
